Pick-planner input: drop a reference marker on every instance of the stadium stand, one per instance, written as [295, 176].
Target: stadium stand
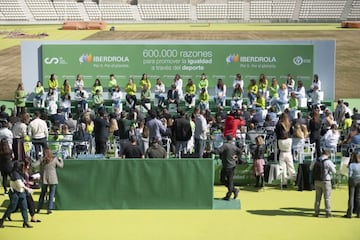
[115, 11]
[42, 10]
[12, 11]
[311, 9]
[354, 10]
[211, 11]
[164, 11]
[92, 10]
[67, 10]
[57, 11]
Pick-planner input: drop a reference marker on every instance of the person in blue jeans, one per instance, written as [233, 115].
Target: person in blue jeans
[49, 178]
[17, 195]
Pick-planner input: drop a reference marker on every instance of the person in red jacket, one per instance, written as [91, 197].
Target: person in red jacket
[232, 122]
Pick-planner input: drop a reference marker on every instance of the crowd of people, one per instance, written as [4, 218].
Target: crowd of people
[279, 134]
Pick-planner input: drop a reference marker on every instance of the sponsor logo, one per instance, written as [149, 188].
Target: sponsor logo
[88, 58]
[85, 58]
[234, 58]
[298, 60]
[54, 60]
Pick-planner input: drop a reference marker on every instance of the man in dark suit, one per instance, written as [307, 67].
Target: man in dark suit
[181, 132]
[101, 132]
[173, 96]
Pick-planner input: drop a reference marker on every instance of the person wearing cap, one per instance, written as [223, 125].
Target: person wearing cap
[155, 150]
[229, 155]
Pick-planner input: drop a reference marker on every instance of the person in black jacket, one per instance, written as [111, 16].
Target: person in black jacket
[315, 131]
[101, 132]
[229, 156]
[6, 163]
[181, 132]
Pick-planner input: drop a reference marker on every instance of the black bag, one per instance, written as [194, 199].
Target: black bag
[318, 172]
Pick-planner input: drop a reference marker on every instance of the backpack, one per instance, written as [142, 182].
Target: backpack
[318, 172]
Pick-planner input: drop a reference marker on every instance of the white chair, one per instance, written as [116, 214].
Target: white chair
[308, 151]
[302, 103]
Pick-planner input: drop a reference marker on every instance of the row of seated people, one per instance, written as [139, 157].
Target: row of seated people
[259, 94]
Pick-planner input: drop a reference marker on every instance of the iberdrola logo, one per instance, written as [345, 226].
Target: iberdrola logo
[233, 58]
[85, 58]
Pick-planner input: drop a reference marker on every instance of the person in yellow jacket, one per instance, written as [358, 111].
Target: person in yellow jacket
[204, 99]
[65, 89]
[112, 83]
[20, 99]
[130, 90]
[53, 84]
[97, 86]
[145, 80]
[252, 90]
[39, 94]
[190, 91]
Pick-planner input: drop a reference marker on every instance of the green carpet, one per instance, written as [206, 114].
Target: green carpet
[220, 204]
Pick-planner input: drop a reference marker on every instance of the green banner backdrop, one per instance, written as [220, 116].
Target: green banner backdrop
[165, 60]
[136, 184]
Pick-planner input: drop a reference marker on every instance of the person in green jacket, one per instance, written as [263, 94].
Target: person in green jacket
[190, 91]
[97, 86]
[112, 83]
[20, 99]
[98, 100]
[39, 95]
[204, 83]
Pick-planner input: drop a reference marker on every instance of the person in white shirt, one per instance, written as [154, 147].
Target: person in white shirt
[66, 105]
[200, 134]
[5, 132]
[51, 99]
[283, 97]
[38, 131]
[331, 138]
[316, 83]
[160, 92]
[179, 85]
[116, 97]
[79, 82]
[300, 91]
[238, 80]
[220, 93]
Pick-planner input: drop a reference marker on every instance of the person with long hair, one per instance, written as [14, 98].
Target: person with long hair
[179, 84]
[79, 82]
[20, 99]
[315, 131]
[159, 92]
[17, 195]
[220, 93]
[284, 142]
[252, 90]
[237, 97]
[6, 163]
[65, 89]
[97, 86]
[39, 94]
[204, 82]
[263, 84]
[29, 198]
[49, 179]
[145, 80]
